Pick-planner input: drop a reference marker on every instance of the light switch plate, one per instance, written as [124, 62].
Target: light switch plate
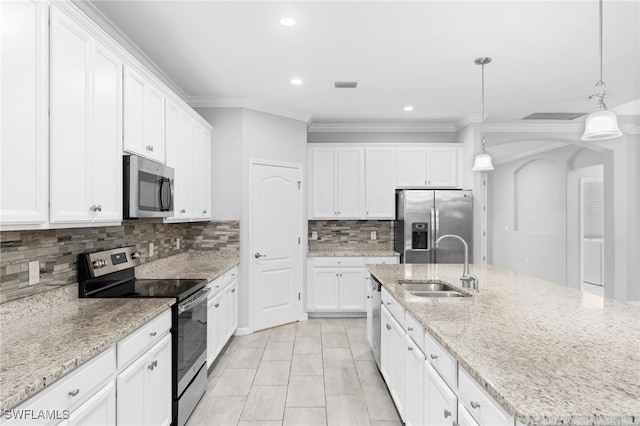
[150, 249]
[374, 235]
[34, 272]
[178, 243]
[314, 235]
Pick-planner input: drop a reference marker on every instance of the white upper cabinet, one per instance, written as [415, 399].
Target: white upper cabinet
[201, 172]
[143, 116]
[444, 167]
[411, 167]
[85, 156]
[337, 179]
[24, 129]
[380, 183]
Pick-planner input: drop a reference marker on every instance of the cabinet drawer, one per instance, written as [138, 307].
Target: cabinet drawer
[414, 329]
[393, 306]
[71, 391]
[390, 260]
[338, 262]
[230, 275]
[216, 286]
[441, 360]
[480, 404]
[132, 346]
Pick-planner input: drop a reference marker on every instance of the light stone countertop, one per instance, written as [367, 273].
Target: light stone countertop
[207, 265]
[350, 250]
[547, 353]
[46, 336]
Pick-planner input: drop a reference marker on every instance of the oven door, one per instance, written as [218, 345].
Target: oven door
[191, 338]
[148, 188]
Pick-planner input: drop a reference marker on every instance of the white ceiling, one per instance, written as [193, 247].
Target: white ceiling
[545, 55]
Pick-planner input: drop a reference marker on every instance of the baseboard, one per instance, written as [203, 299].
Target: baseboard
[337, 314]
[242, 331]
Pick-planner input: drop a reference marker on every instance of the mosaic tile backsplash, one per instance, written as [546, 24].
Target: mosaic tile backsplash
[352, 232]
[56, 250]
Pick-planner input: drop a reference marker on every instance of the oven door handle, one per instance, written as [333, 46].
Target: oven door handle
[193, 300]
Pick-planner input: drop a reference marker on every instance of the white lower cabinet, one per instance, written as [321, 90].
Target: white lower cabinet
[440, 407]
[393, 348]
[222, 313]
[99, 410]
[414, 400]
[464, 417]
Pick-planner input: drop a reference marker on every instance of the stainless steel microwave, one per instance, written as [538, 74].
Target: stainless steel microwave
[148, 188]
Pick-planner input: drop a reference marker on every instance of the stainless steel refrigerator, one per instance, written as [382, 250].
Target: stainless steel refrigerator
[423, 215]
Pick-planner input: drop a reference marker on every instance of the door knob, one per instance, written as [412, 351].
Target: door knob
[258, 255]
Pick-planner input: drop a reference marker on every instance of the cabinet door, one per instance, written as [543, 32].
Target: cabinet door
[232, 310]
[441, 407]
[134, 124]
[324, 169]
[130, 389]
[398, 376]
[106, 135]
[380, 183]
[205, 166]
[352, 289]
[369, 305]
[24, 112]
[411, 167]
[414, 384]
[157, 398]
[325, 289]
[70, 155]
[100, 410]
[350, 183]
[215, 325]
[154, 123]
[183, 202]
[198, 171]
[386, 346]
[464, 417]
[442, 167]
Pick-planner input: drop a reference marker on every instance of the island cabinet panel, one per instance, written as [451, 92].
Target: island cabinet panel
[480, 404]
[99, 410]
[441, 403]
[414, 385]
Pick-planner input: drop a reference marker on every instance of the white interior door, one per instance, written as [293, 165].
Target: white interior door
[276, 244]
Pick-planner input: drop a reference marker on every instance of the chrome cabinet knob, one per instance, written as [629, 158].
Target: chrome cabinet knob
[183, 211]
[74, 392]
[447, 413]
[433, 356]
[410, 328]
[475, 404]
[204, 212]
[258, 255]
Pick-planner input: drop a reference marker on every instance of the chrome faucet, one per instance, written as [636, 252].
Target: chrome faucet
[467, 279]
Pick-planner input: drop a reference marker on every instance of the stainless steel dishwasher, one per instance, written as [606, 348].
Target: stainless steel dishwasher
[374, 319]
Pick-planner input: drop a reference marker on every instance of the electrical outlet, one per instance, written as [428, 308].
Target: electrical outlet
[150, 249]
[314, 235]
[34, 272]
[374, 235]
[178, 243]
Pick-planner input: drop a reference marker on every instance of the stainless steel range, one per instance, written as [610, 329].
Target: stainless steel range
[110, 273]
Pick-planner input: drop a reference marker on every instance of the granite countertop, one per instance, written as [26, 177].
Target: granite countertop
[547, 353]
[46, 336]
[351, 250]
[191, 264]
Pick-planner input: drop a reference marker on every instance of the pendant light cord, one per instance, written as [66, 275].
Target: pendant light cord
[482, 121]
[600, 41]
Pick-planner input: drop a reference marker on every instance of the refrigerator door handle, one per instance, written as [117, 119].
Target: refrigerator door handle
[432, 231]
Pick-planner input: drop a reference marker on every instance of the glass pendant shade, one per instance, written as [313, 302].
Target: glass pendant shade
[482, 163]
[601, 125]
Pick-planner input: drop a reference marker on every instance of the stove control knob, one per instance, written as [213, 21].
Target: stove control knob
[135, 255]
[99, 263]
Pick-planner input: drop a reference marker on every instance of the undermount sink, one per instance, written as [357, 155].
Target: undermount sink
[432, 289]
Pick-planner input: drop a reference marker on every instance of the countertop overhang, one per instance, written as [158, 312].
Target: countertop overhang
[549, 354]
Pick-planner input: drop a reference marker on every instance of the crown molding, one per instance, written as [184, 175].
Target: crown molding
[465, 121]
[528, 153]
[213, 102]
[381, 128]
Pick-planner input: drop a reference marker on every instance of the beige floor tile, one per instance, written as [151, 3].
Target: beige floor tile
[361, 351]
[285, 334]
[306, 365]
[335, 339]
[369, 374]
[386, 423]
[360, 322]
[255, 340]
[272, 373]
[234, 382]
[265, 403]
[331, 324]
[217, 410]
[308, 328]
[306, 391]
[304, 416]
[337, 358]
[278, 351]
[379, 403]
[341, 381]
[246, 357]
[357, 335]
[347, 411]
[259, 423]
[308, 344]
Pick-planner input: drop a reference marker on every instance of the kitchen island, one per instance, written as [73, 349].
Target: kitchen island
[548, 354]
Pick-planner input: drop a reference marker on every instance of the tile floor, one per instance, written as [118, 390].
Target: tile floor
[315, 372]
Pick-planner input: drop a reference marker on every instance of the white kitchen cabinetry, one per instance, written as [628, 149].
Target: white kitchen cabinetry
[479, 403]
[392, 356]
[464, 417]
[336, 284]
[380, 183]
[201, 172]
[99, 410]
[86, 126]
[24, 129]
[444, 167]
[337, 180]
[414, 384]
[222, 313]
[440, 408]
[143, 116]
[411, 167]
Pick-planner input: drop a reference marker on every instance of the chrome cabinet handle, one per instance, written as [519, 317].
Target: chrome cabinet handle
[153, 334]
[410, 328]
[216, 305]
[409, 348]
[433, 356]
[183, 211]
[258, 255]
[447, 413]
[475, 404]
[99, 207]
[93, 208]
[74, 392]
[388, 327]
[233, 291]
[388, 303]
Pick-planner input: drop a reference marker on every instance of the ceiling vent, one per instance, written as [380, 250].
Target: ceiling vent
[554, 115]
[345, 84]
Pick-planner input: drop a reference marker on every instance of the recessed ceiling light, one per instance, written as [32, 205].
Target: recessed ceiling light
[288, 22]
[296, 81]
[408, 108]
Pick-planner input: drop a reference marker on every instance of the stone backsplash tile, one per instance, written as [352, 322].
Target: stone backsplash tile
[56, 250]
[355, 232]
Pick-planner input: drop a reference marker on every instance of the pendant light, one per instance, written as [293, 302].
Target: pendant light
[601, 124]
[483, 162]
